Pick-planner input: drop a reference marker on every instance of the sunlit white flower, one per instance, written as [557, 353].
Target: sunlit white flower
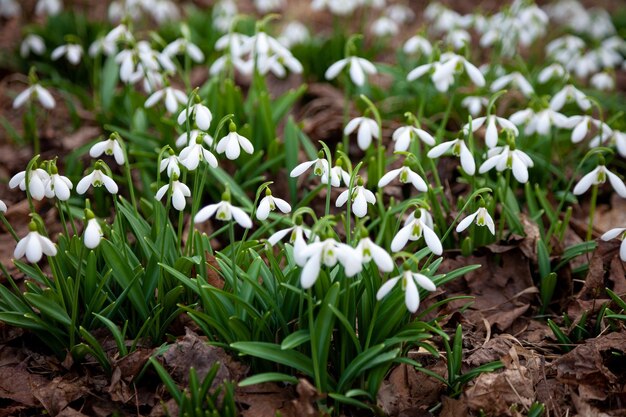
[481, 217]
[162, 10]
[199, 112]
[502, 158]
[173, 98]
[35, 91]
[358, 68]
[581, 125]
[399, 13]
[550, 72]
[267, 54]
[599, 176]
[179, 192]
[406, 175]
[171, 164]
[619, 139]
[419, 223]
[360, 197]
[444, 70]
[337, 174]
[93, 233]
[617, 232]
[294, 33]
[232, 143]
[185, 139]
[48, 7]
[403, 136]
[568, 94]
[73, 52]
[37, 180]
[384, 26]
[58, 186]
[459, 149]
[32, 43]
[184, 46]
[514, 79]
[34, 246]
[368, 129]
[191, 155]
[370, 251]
[270, 203]
[296, 238]
[97, 178]
[224, 211]
[540, 122]
[474, 104]
[602, 81]
[102, 46]
[109, 147]
[328, 252]
[458, 38]
[418, 44]
[409, 282]
[320, 167]
[491, 133]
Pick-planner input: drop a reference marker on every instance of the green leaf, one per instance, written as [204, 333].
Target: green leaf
[49, 307]
[295, 339]
[273, 352]
[110, 73]
[268, 377]
[368, 359]
[167, 380]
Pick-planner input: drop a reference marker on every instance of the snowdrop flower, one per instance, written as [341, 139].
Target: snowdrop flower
[358, 68]
[232, 144]
[224, 211]
[474, 104]
[481, 217]
[514, 79]
[184, 139]
[269, 203]
[336, 7]
[179, 192]
[97, 178]
[370, 251]
[224, 13]
[93, 232]
[102, 46]
[409, 282]
[617, 232]
[568, 94]
[320, 167]
[360, 197]
[3, 207]
[581, 126]
[34, 245]
[444, 70]
[173, 98]
[192, 154]
[48, 7]
[550, 72]
[598, 176]
[268, 54]
[328, 252]
[368, 129]
[9, 8]
[162, 11]
[266, 6]
[294, 33]
[418, 44]
[296, 238]
[171, 164]
[35, 91]
[73, 53]
[540, 122]
[459, 149]
[399, 13]
[619, 139]
[32, 43]
[491, 133]
[337, 174]
[508, 157]
[419, 223]
[458, 38]
[406, 175]
[200, 113]
[402, 137]
[384, 26]
[602, 81]
[37, 180]
[184, 46]
[109, 147]
[58, 186]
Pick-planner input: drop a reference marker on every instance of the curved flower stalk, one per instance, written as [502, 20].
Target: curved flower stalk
[232, 143]
[481, 217]
[409, 283]
[327, 252]
[358, 69]
[491, 133]
[225, 212]
[614, 233]
[93, 232]
[109, 147]
[419, 44]
[179, 192]
[360, 197]
[403, 136]
[270, 203]
[540, 122]
[34, 245]
[405, 175]
[460, 150]
[444, 70]
[37, 180]
[198, 112]
[514, 79]
[172, 96]
[367, 130]
[97, 178]
[599, 176]
[569, 94]
[73, 52]
[507, 157]
[191, 155]
[419, 223]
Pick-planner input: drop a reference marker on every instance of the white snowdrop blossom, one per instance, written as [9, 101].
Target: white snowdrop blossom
[481, 217]
[48, 7]
[270, 203]
[173, 99]
[73, 53]
[269, 55]
[3, 207]
[406, 175]
[459, 149]
[184, 46]
[327, 252]
[93, 232]
[409, 282]
[491, 132]
[403, 136]
[9, 8]
[171, 164]
[37, 180]
[540, 122]
[294, 33]
[320, 167]
[599, 176]
[419, 223]
[368, 129]
[569, 94]
[357, 67]
[224, 211]
[109, 147]
[503, 157]
[34, 246]
[418, 44]
[97, 178]
[224, 13]
[458, 38]
[266, 6]
[199, 112]
[602, 81]
[296, 238]
[58, 186]
[360, 197]
[35, 91]
[384, 26]
[619, 139]
[474, 104]
[232, 143]
[184, 139]
[179, 192]
[514, 79]
[550, 72]
[336, 7]
[581, 125]
[32, 43]
[337, 174]
[614, 233]
[399, 13]
[370, 251]
[102, 46]
[191, 155]
[444, 70]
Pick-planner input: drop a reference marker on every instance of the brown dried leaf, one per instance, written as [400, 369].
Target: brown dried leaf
[18, 384]
[266, 400]
[307, 396]
[60, 392]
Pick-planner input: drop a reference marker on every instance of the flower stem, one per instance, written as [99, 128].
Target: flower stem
[316, 364]
[9, 228]
[592, 211]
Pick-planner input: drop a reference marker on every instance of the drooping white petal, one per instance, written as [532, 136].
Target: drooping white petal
[93, 234]
[585, 182]
[388, 177]
[263, 211]
[411, 294]
[401, 238]
[616, 183]
[206, 212]
[299, 169]
[386, 288]
[613, 233]
[310, 271]
[335, 69]
[432, 241]
[241, 217]
[424, 282]
[465, 223]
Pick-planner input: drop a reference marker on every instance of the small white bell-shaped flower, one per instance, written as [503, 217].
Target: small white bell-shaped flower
[360, 197]
[110, 146]
[460, 150]
[57, 185]
[409, 282]
[358, 68]
[403, 136]
[173, 99]
[35, 91]
[270, 203]
[406, 175]
[224, 211]
[97, 178]
[481, 217]
[568, 94]
[32, 43]
[337, 174]
[170, 164]
[179, 192]
[491, 133]
[320, 165]
[617, 232]
[192, 154]
[328, 252]
[232, 143]
[93, 232]
[370, 251]
[73, 52]
[599, 176]
[37, 180]
[508, 157]
[34, 245]
[515, 79]
[367, 129]
[419, 223]
[474, 104]
[184, 46]
[199, 112]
